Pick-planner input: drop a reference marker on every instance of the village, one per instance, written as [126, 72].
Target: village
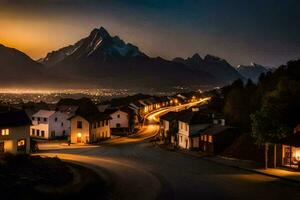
[187, 123]
[193, 126]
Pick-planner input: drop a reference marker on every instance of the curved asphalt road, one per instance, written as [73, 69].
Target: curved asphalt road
[135, 169]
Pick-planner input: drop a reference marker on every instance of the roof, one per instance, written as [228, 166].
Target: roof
[144, 103]
[14, 119]
[44, 113]
[216, 129]
[137, 104]
[169, 116]
[197, 129]
[197, 117]
[95, 117]
[292, 140]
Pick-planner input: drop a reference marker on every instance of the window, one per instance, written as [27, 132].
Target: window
[52, 134]
[5, 132]
[37, 132]
[62, 124]
[118, 116]
[210, 139]
[38, 119]
[98, 124]
[79, 124]
[33, 118]
[43, 133]
[33, 131]
[21, 145]
[55, 119]
[45, 119]
[106, 122]
[180, 138]
[94, 125]
[118, 125]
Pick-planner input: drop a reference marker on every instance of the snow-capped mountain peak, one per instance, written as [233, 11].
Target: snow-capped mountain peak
[98, 43]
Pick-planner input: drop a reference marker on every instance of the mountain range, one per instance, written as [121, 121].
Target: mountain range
[102, 60]
[252, 71]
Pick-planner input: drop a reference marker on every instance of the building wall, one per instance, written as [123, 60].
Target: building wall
[100, 132]
[61, 126]
[123, 119]
[183, 141]
[15, 134]
[40, 127]
[165, 128]
[195, 142]
[84, 132]
[183, 135]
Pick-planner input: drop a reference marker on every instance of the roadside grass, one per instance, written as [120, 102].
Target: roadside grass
[34, 177]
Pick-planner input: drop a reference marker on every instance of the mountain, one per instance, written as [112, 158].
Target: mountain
[16, 68]
[252, 71]
[98, 42]
[219, 68]
[105, 60]
[102, 60]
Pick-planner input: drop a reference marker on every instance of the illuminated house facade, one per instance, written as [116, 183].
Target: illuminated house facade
[291, 149]
[90, 127]
[14, 132]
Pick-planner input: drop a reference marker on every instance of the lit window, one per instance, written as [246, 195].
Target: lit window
[79, 135]
[210, 139]
[5, 132]
[21, 145]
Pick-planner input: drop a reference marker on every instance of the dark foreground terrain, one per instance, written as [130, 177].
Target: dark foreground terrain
[34, 177]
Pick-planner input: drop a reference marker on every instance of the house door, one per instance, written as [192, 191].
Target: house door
[79, 138]
[1, 147]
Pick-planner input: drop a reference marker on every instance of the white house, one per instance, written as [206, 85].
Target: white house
[119, 118]
[190, 126]
[14, 132]
[48, 124]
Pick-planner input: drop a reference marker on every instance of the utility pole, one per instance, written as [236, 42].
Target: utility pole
[275, 156]
[266, 155]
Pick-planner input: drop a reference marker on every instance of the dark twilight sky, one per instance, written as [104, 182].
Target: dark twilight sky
[241, 31]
